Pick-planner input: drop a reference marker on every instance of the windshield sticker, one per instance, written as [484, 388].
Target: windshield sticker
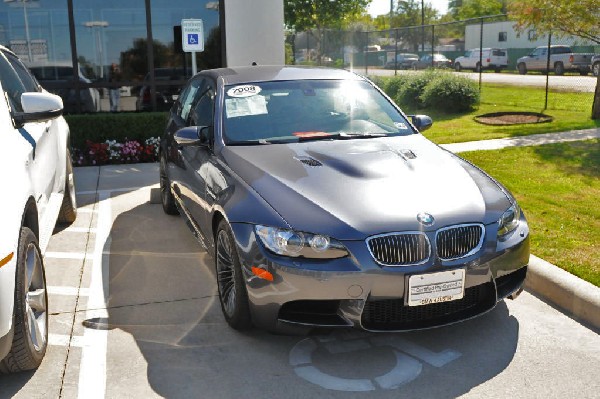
[243, 91]
[400, 125]
[248, 106]
[311, 134]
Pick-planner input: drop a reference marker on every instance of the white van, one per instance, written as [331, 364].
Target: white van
[491, 58]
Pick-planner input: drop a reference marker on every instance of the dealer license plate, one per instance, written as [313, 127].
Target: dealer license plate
[424, 289]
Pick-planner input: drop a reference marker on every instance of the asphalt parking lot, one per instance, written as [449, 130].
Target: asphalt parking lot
[134, 313]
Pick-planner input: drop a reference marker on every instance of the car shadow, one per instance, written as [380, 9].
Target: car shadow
[162, 293]
[11, 384]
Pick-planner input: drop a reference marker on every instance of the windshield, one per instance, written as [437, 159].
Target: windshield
[291, 111]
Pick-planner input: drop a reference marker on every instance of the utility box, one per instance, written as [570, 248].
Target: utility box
[253, 32]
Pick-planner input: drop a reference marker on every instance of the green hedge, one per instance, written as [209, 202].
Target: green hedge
[100, 127]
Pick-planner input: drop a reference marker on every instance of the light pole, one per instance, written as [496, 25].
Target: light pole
[99, 44]
[25, 4]
[422, 25]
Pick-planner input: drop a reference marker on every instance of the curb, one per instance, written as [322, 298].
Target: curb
[570, 293]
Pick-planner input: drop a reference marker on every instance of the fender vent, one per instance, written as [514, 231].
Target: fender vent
[309, 161]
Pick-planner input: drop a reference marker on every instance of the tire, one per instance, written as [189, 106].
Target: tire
[596, 68]
[498, 70]
[68, 208]
[478, 67]
[584, 72]
[230, 281]
[457, 67]
[166, 195]
[522, 69]
[559, 68]
[30, 314]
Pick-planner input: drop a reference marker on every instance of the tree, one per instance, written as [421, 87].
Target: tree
[408, 14]
[318, 15]
[567, 17]
[465, 9]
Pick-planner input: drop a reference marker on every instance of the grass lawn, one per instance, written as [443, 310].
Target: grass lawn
[558, 187]
[571, 111]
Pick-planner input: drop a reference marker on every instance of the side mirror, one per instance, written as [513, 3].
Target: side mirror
[421, 122]
[192, 136]
[38, 107]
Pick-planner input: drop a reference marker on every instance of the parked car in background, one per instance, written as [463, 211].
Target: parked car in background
[403, 61]
[168, 84]
[57, 78]
[488, 58]
[432, 61]
[595, 65]
[562, 59]
[323, 205]
[37, 176]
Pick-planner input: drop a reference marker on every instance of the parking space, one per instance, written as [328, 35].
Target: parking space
[134, 313]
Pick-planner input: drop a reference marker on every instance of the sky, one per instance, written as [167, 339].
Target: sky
[379, 7]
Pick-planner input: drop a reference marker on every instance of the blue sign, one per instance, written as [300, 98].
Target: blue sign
[193, 38]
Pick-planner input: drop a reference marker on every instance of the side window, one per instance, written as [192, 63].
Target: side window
[202, 115]
[186, 99]
[11, 83]
[28, 81]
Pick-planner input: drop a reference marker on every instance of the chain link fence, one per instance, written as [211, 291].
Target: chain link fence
[543, 64]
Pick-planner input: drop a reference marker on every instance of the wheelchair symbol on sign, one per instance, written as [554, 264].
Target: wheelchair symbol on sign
[192, 38]
[409, 358]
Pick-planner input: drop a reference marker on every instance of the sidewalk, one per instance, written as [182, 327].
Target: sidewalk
[570, 293]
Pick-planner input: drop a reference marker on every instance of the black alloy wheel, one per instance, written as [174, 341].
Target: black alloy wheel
[230, 280]
[166, 195]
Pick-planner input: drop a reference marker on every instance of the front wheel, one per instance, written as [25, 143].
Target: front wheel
[522, 69]
[30, 312]
[559, 68]
[166, 195]
[596, 68]
[457, 67]
[478, 67]
[68, 208]
[230, 280]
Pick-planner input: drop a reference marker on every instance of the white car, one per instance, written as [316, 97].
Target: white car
[37, 180]
[487, 58]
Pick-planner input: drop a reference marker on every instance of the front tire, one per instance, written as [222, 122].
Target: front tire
[522, 69]
[596, 68]
[457, 67]
[230, 280]
[30, 313]
[68, 208]
[166, 195]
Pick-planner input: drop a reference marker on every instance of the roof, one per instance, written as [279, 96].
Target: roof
[247, 74]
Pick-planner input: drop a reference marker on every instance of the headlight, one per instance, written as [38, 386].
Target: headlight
[296, 244]
[509, 220]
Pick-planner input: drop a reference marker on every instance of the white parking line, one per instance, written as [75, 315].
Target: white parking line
[92, 370]
[90, 230]
[86, 210]
[67, 291]
[116, 190]
[63, 340]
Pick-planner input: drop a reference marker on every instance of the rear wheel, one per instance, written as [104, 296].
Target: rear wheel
[30, 312]
[559, 68]
[596, 68]
[166, 195]
[522, 69]
[230, 281]
[68, 208]
[478, 67]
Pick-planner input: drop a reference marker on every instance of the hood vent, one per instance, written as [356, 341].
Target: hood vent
[407, 154]
[309, 161]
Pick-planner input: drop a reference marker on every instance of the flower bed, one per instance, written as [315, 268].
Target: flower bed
[114, 152]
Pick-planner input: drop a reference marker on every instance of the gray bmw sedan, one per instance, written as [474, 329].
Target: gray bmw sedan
[324, 206]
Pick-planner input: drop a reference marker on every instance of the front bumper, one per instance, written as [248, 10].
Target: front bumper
[357, 292]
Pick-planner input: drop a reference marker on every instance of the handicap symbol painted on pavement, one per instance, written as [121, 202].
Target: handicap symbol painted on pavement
[192, 38]
[408, 366]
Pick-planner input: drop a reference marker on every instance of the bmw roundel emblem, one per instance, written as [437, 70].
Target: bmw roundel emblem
[425, 219]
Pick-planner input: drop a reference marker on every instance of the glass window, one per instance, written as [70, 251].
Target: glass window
[28, 81]
[11, 84]
[187, 98]
[300, 110]
[502, 36]
[202, 114]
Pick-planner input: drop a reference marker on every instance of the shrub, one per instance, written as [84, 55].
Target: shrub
[450, 93]
[98, 128]
[409, 93]
[395, 84]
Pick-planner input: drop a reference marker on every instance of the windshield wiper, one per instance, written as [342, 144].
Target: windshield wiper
[342, 136]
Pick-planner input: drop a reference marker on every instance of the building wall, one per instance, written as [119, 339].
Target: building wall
[254, 32]
[526, 40]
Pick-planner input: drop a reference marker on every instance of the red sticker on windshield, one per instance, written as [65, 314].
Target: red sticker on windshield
[311, 134]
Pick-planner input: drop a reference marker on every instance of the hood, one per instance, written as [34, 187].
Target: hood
[351, 189]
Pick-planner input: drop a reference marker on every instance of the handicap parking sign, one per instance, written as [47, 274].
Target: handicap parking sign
[192, 35]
